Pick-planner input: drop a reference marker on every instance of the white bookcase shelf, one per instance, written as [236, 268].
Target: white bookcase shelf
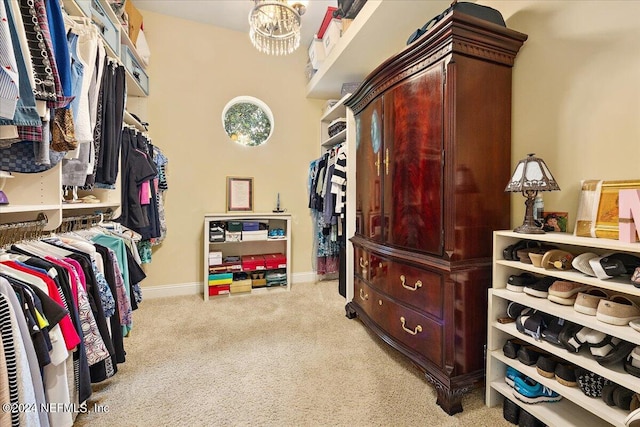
[249, 247]
[575, 409]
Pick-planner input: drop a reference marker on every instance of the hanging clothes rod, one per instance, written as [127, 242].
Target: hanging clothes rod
[24, 230]
[81, 222]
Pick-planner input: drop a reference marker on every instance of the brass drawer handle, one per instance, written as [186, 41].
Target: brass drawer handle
[414, 288]
[386, 161]
[409, 331]
[363, 296]
[377, 163]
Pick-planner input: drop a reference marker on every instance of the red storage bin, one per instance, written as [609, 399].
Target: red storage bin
[273, 261]
[253, 262]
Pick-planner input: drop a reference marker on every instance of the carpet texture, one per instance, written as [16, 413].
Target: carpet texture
[276, 359]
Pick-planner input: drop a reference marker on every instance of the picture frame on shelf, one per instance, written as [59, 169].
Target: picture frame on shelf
[598, 208]
[555, 221]
[239, 194]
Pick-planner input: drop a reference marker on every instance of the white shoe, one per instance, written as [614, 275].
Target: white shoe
[633, 419]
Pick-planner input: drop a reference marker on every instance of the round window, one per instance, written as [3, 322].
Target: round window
[248, 121]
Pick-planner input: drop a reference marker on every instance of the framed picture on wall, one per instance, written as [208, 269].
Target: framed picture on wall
[239, 194]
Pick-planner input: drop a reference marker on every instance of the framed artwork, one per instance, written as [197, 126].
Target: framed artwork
[239, 194]
[598, 207]
[555, 221]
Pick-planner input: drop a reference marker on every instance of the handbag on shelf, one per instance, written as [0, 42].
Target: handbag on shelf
[348, 8]
[63, 136]
[473, 9]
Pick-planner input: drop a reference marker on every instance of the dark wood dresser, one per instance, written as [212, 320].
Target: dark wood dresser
[433, 136]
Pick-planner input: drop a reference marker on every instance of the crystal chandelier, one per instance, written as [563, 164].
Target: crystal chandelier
[275, 26]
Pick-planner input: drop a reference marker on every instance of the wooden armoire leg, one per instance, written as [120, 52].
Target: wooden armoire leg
[450, 400]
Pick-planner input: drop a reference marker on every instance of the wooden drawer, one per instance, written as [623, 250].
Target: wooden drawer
[361, 262]
[406, 325]
[363, 296]
[413, 286]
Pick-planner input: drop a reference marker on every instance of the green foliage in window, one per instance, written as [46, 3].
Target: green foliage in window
[247, 124]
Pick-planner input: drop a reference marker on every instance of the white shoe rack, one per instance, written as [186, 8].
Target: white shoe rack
[575, 408]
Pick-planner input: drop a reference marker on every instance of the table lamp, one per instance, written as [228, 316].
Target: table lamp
[530, 176]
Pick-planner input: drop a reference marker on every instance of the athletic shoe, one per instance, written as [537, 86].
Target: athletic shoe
[511, 375]
[529, 391]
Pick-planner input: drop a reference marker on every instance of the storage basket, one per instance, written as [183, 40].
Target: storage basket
[337, 126]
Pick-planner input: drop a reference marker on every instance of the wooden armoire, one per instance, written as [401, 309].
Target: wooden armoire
[433, 137]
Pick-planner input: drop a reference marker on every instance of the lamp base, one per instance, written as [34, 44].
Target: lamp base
[529, 229]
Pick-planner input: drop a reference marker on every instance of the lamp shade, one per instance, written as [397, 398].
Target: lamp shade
[532, 174]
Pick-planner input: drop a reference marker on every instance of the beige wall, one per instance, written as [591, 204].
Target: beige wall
[576, 104]
[194, 71]
[576, 93]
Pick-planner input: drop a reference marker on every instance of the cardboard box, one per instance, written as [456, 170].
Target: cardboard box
[233, 236]
[258, 283]
[332, 35]
[135, 20]
[225, 267]
[219, 290]
[215, 258]
[253, 262]
[250, 226]
[316, 53]
[220, 278]
[239, 286]
[273, 261]
[234, 225]
[345, 24]
[255, 235]
[328, 16]
[216, 231]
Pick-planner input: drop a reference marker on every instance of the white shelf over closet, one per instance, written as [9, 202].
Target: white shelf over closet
[380, 30]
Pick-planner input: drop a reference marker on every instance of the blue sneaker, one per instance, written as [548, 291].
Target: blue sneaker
[529, 391]
[511, 375]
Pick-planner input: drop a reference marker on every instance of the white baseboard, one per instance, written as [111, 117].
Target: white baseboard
[308, 277]
[195, 288]
[176, 290]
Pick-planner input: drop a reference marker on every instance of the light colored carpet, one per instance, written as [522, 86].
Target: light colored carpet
[277, 359]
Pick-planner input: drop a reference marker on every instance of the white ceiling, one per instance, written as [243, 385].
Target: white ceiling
[232, 14]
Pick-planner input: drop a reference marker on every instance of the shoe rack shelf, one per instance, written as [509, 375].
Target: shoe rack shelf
[575, 408]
